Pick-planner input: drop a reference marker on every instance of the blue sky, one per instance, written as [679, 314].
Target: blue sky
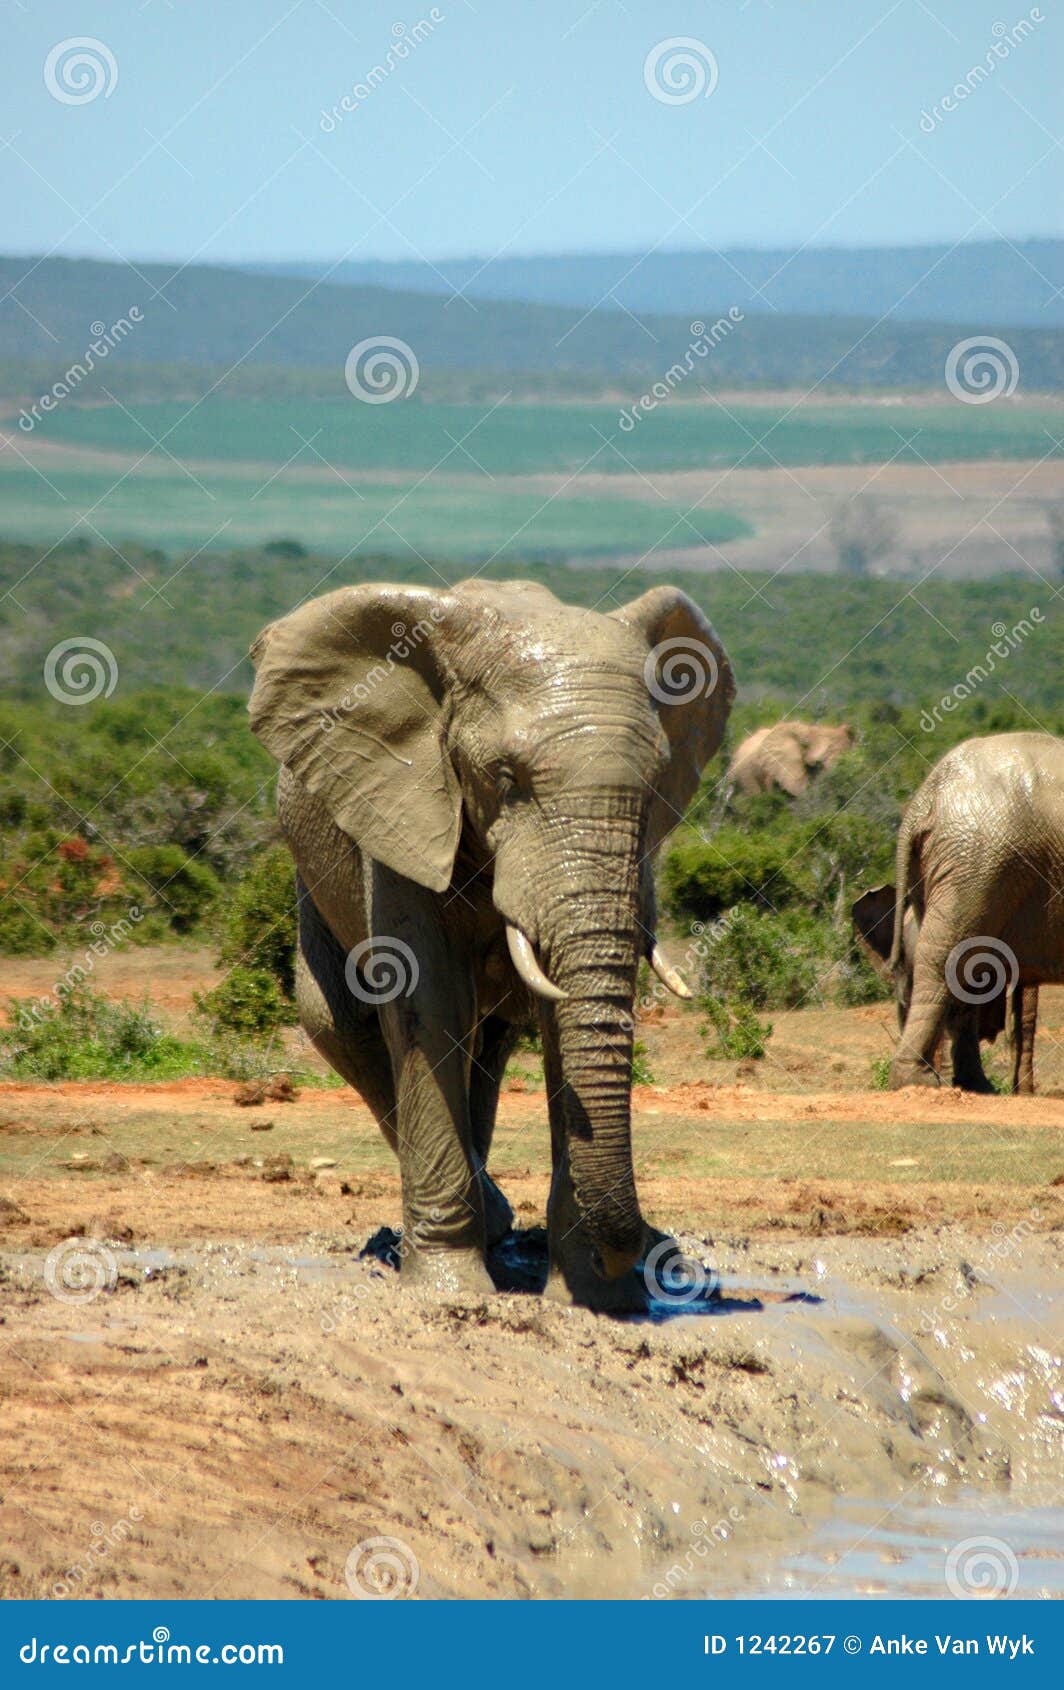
[525, 128]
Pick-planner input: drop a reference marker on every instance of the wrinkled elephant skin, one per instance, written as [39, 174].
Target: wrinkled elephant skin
[474, 783]
[978, 918]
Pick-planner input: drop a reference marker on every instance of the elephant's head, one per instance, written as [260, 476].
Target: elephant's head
[492, 742]
[873, 920]
[823, 745]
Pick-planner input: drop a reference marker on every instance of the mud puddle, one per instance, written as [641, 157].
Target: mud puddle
[967, 1547]
[266, 1408]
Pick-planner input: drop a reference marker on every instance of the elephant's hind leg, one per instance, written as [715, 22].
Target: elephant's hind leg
[968, 1071]
[929, 1008]
[347, 1034]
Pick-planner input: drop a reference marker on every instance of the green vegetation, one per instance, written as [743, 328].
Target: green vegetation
[179, 622]
[733, 1032]
[84, 1036]
[641, 1070]
[408, 520]
[534, 438]
[257, 951]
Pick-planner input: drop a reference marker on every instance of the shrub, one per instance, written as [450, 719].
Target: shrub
[879, 1079]
[733, 1031]
[248, 1002]
[259, 927]
[21, 935]
[183, 887]
[641, 1071]
[702, 879]
[86, 1037]
[766, 961]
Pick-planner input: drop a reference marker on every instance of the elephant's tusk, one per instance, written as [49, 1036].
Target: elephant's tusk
[671, 976]
[524, 960]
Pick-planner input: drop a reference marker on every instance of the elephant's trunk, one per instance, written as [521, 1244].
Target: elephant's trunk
[594, 942]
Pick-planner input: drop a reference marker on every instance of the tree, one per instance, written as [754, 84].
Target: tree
[861, 532]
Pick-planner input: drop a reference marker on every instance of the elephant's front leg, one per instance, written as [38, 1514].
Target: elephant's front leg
[427, 1021]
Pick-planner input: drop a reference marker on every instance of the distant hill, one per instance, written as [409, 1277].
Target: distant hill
[978, 282]
[232, 323]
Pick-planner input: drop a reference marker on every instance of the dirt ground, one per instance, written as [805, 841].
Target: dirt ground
[206, 1389]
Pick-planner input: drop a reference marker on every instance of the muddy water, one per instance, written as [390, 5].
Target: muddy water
[837, 1421]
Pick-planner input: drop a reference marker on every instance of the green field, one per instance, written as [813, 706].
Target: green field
[156, 505]
[529, 438]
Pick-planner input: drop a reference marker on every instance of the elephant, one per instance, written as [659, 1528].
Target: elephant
[980, 865]
[787, 755]
[873, 919]
[474, 783]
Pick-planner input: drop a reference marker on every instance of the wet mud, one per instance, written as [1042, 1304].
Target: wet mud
[827, 1416]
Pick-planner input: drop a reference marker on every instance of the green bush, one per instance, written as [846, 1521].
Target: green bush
[248, 1002]
[184, 888]
[21, 935]
[641, 1071]
[703, 878]
[766, 961]
[86, 1037]
[879, 1078]
[733, 1032]
[260, 922]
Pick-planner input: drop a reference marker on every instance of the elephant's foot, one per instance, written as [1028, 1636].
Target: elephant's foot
[904, 1074]
[576, 1284]
[662, 1277]
[447, 1273]
[965, 1081]
[498, 1215]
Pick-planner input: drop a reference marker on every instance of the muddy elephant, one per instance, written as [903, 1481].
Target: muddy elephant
[966, 1026]
[980, 863]
[787, 756]
[474, 783]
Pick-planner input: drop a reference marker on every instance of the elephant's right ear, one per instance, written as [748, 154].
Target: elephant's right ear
[873, 920]
[350, 695]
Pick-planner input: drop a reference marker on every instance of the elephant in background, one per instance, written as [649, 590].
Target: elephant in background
[966, 1027]
[787, 756]
[473, 784]
[980, 870]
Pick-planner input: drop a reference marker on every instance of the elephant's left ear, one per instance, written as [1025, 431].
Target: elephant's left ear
[691, 682]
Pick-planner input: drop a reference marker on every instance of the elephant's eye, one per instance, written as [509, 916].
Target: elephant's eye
[505, 778]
